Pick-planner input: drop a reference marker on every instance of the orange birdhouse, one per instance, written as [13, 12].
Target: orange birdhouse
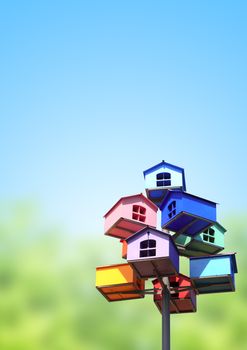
[118, 282]
[124, 248]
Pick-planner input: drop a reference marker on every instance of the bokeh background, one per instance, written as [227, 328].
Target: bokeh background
[92, 93]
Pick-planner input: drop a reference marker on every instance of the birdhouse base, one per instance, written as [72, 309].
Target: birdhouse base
[147, 268]
[188, 224]
[193, 248]
[178, 306]
[185, 251]
[124, 228]
[156, 195]
[214, 284]
[121, 292]
[203, 247]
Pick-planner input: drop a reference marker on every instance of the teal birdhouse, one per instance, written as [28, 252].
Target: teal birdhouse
[182, 241]
[209, 241]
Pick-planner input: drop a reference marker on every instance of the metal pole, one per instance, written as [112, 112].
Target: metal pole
[165, 318]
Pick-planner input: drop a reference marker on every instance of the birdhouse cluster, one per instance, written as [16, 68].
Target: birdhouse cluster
[188, 228]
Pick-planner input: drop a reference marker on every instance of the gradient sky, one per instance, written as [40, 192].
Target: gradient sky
[94, 92]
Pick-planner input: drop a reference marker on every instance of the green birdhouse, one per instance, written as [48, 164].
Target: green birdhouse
[209, 241]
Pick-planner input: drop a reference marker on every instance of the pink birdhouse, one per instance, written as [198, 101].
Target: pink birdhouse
[129, 215]
[183, 299]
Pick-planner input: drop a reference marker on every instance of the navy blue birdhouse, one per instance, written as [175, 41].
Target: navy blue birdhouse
[185, 213]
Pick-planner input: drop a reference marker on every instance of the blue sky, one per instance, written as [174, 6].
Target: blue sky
[94, 92]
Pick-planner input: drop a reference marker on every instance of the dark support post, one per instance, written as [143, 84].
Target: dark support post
[165, 318]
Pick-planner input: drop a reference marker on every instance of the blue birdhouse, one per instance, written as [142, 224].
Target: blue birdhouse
[209, 241]
[213, 274]
[162, 177]
[185, 213]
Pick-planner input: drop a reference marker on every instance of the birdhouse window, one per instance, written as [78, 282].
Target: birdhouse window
[172, 209]
[163, 179]
[175, 285]
[147, 248]
[139, 213]
[209, 235]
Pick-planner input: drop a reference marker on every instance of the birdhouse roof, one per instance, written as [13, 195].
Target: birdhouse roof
[232, 255]
[180, 275]
[161, 164]
[143, 230]
[220, 227]
[170, 192]
[170, 166]
[139, 195]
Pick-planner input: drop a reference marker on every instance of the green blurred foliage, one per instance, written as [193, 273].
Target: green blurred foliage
[48, 299]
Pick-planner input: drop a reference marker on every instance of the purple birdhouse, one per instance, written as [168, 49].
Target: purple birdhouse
[152, 253]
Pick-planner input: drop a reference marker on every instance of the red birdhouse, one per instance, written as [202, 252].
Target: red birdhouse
[182, 298]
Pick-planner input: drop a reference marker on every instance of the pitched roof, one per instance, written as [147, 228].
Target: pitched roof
[157, 166]
[222, 228]
[134, 195]
[153, 229]
[169, 165]
[170, 192]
